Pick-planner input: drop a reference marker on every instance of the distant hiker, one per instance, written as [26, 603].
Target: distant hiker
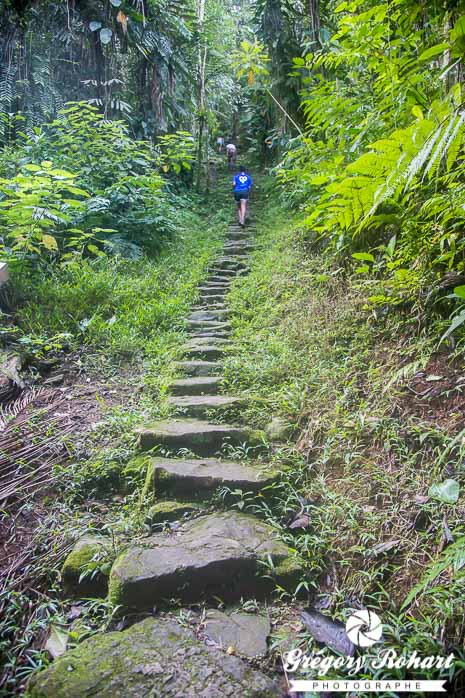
[242, 184]
[231, 152]
[220, 143]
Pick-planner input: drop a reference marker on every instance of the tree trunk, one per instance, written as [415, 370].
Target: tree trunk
[314, 15]
[201, 103]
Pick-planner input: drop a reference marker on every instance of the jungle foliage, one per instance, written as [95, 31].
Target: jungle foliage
[379, 173]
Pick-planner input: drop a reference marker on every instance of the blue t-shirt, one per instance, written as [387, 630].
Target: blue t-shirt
[242, 182]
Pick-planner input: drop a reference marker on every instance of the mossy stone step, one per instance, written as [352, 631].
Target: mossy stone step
[199, 368]
[200, 477]
[219, 555]
[169, 511]
[198, 436]
[200, 406]
[198, 385]
[86, 551]
[154, 657]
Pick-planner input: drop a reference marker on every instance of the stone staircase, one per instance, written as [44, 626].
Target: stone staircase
[224, 554]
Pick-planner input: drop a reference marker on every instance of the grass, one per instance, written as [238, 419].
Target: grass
[366, 448]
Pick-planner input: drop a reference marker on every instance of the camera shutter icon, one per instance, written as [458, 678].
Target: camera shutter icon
[364, 628]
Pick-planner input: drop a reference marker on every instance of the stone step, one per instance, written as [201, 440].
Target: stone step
[219, 555]
[199, 385]
[201, 406]
[219, 279]
[199, 368]
[239, 235]
[239, 245]
[208, 324]
[210, 335]
[205, 334]
[214, 315]
[200, 478]
[207, 302]
[191, 342]
[217, 291]
[198, 436]
[208, 351]
[231, 263]
[154, 657]
[222, 274]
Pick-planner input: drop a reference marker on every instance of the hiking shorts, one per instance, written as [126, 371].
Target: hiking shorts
[238, 195]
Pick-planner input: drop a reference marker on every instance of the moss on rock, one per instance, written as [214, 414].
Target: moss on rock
[152, 658]
[88, 555]
[170, 511]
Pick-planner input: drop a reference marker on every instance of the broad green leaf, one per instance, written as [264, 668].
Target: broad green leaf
[417, 112]
[363, 256]
[447, 491]
[459, 291]
[433, 51]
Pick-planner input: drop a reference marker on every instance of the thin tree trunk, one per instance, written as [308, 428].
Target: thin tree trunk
[201, 105]
[314, 15]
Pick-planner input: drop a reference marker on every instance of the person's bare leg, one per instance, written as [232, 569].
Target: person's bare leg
[239, 211]
[243, 210]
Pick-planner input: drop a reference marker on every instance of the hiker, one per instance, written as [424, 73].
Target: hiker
[242, 184]
[231, 152]
[220, 143]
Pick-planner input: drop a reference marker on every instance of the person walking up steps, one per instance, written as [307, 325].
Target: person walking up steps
[242, 184]
[231, 152]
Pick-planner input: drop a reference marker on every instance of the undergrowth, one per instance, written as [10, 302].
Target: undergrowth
[374, 451]
[122, 321]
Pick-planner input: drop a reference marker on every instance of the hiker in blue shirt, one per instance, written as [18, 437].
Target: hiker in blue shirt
[242, 183]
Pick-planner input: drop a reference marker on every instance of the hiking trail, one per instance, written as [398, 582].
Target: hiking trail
[220, 553]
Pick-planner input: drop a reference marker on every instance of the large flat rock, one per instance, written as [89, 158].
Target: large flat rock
[247, 633]
[152, 659]
[200, 477]
[200, 437]
[219, 555]
[200, 406]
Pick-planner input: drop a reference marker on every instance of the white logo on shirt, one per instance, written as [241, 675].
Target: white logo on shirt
[242, 179]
